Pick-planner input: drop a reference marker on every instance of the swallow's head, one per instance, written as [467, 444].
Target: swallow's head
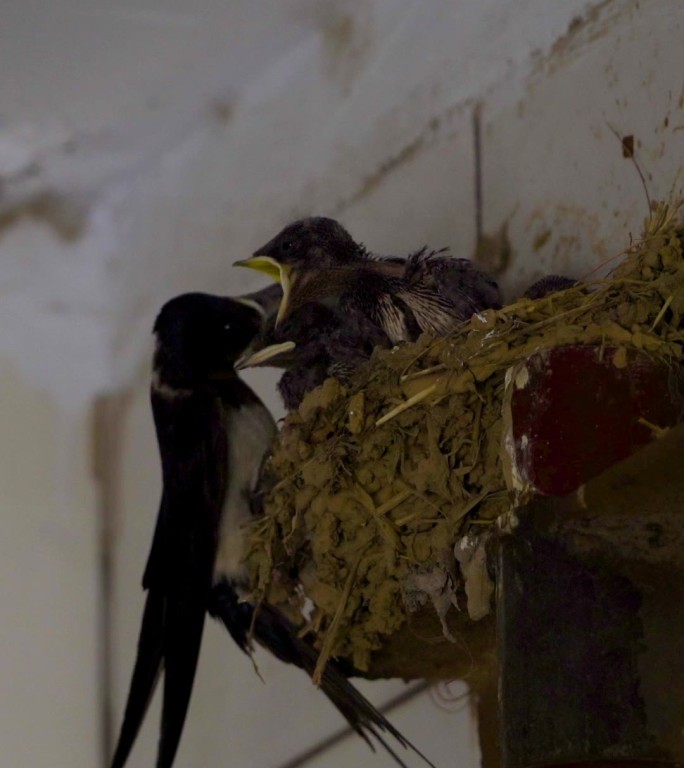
[316, 241]
[302, 258]
[200, 336]
[303, 333]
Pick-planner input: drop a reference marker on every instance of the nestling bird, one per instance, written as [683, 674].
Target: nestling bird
[549, 284]
[313, 343]
[213, 433]
[316, 259]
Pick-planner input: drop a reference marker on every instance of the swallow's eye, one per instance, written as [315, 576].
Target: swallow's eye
[226, 327]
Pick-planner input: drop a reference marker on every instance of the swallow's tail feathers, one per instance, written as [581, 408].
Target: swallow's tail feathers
[184, 627]
[148, 666]
[274, 631]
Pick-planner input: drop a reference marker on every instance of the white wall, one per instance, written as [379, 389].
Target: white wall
[171, 142]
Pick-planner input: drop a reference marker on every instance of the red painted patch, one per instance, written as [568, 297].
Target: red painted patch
[578, 413]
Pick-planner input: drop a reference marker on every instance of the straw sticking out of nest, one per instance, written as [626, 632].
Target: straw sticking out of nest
[377, 481]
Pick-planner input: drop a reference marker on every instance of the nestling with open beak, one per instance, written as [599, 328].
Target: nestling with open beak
[316, 259]
[313, 343]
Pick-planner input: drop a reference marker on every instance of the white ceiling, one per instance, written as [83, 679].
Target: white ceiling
[178, 136]
[89, 65]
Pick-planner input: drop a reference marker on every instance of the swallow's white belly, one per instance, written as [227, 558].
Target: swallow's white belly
[250, 434]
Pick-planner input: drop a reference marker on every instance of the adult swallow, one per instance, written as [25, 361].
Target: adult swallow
[314, 342]
[316, 259]
[213, 433]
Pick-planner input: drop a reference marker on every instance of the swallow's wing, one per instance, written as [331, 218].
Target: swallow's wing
[274, 631]
[372, 296]
[442, 290]
[192, 443]
[179, 570]
[465, 286]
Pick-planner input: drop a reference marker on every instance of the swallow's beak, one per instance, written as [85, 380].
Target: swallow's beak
[264, 264]
[247, 302]
[281, 273]
[265, 302]
[283, 307]
[264, 356]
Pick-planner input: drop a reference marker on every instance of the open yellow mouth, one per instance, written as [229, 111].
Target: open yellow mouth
[276, 271]
[285, 301]
[262, 356]
[264, 264]
[252, 305]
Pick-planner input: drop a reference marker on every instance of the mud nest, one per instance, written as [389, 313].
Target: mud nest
[385, 489]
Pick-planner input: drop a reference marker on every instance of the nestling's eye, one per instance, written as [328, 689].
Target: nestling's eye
[226, 327]
[287, 245]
